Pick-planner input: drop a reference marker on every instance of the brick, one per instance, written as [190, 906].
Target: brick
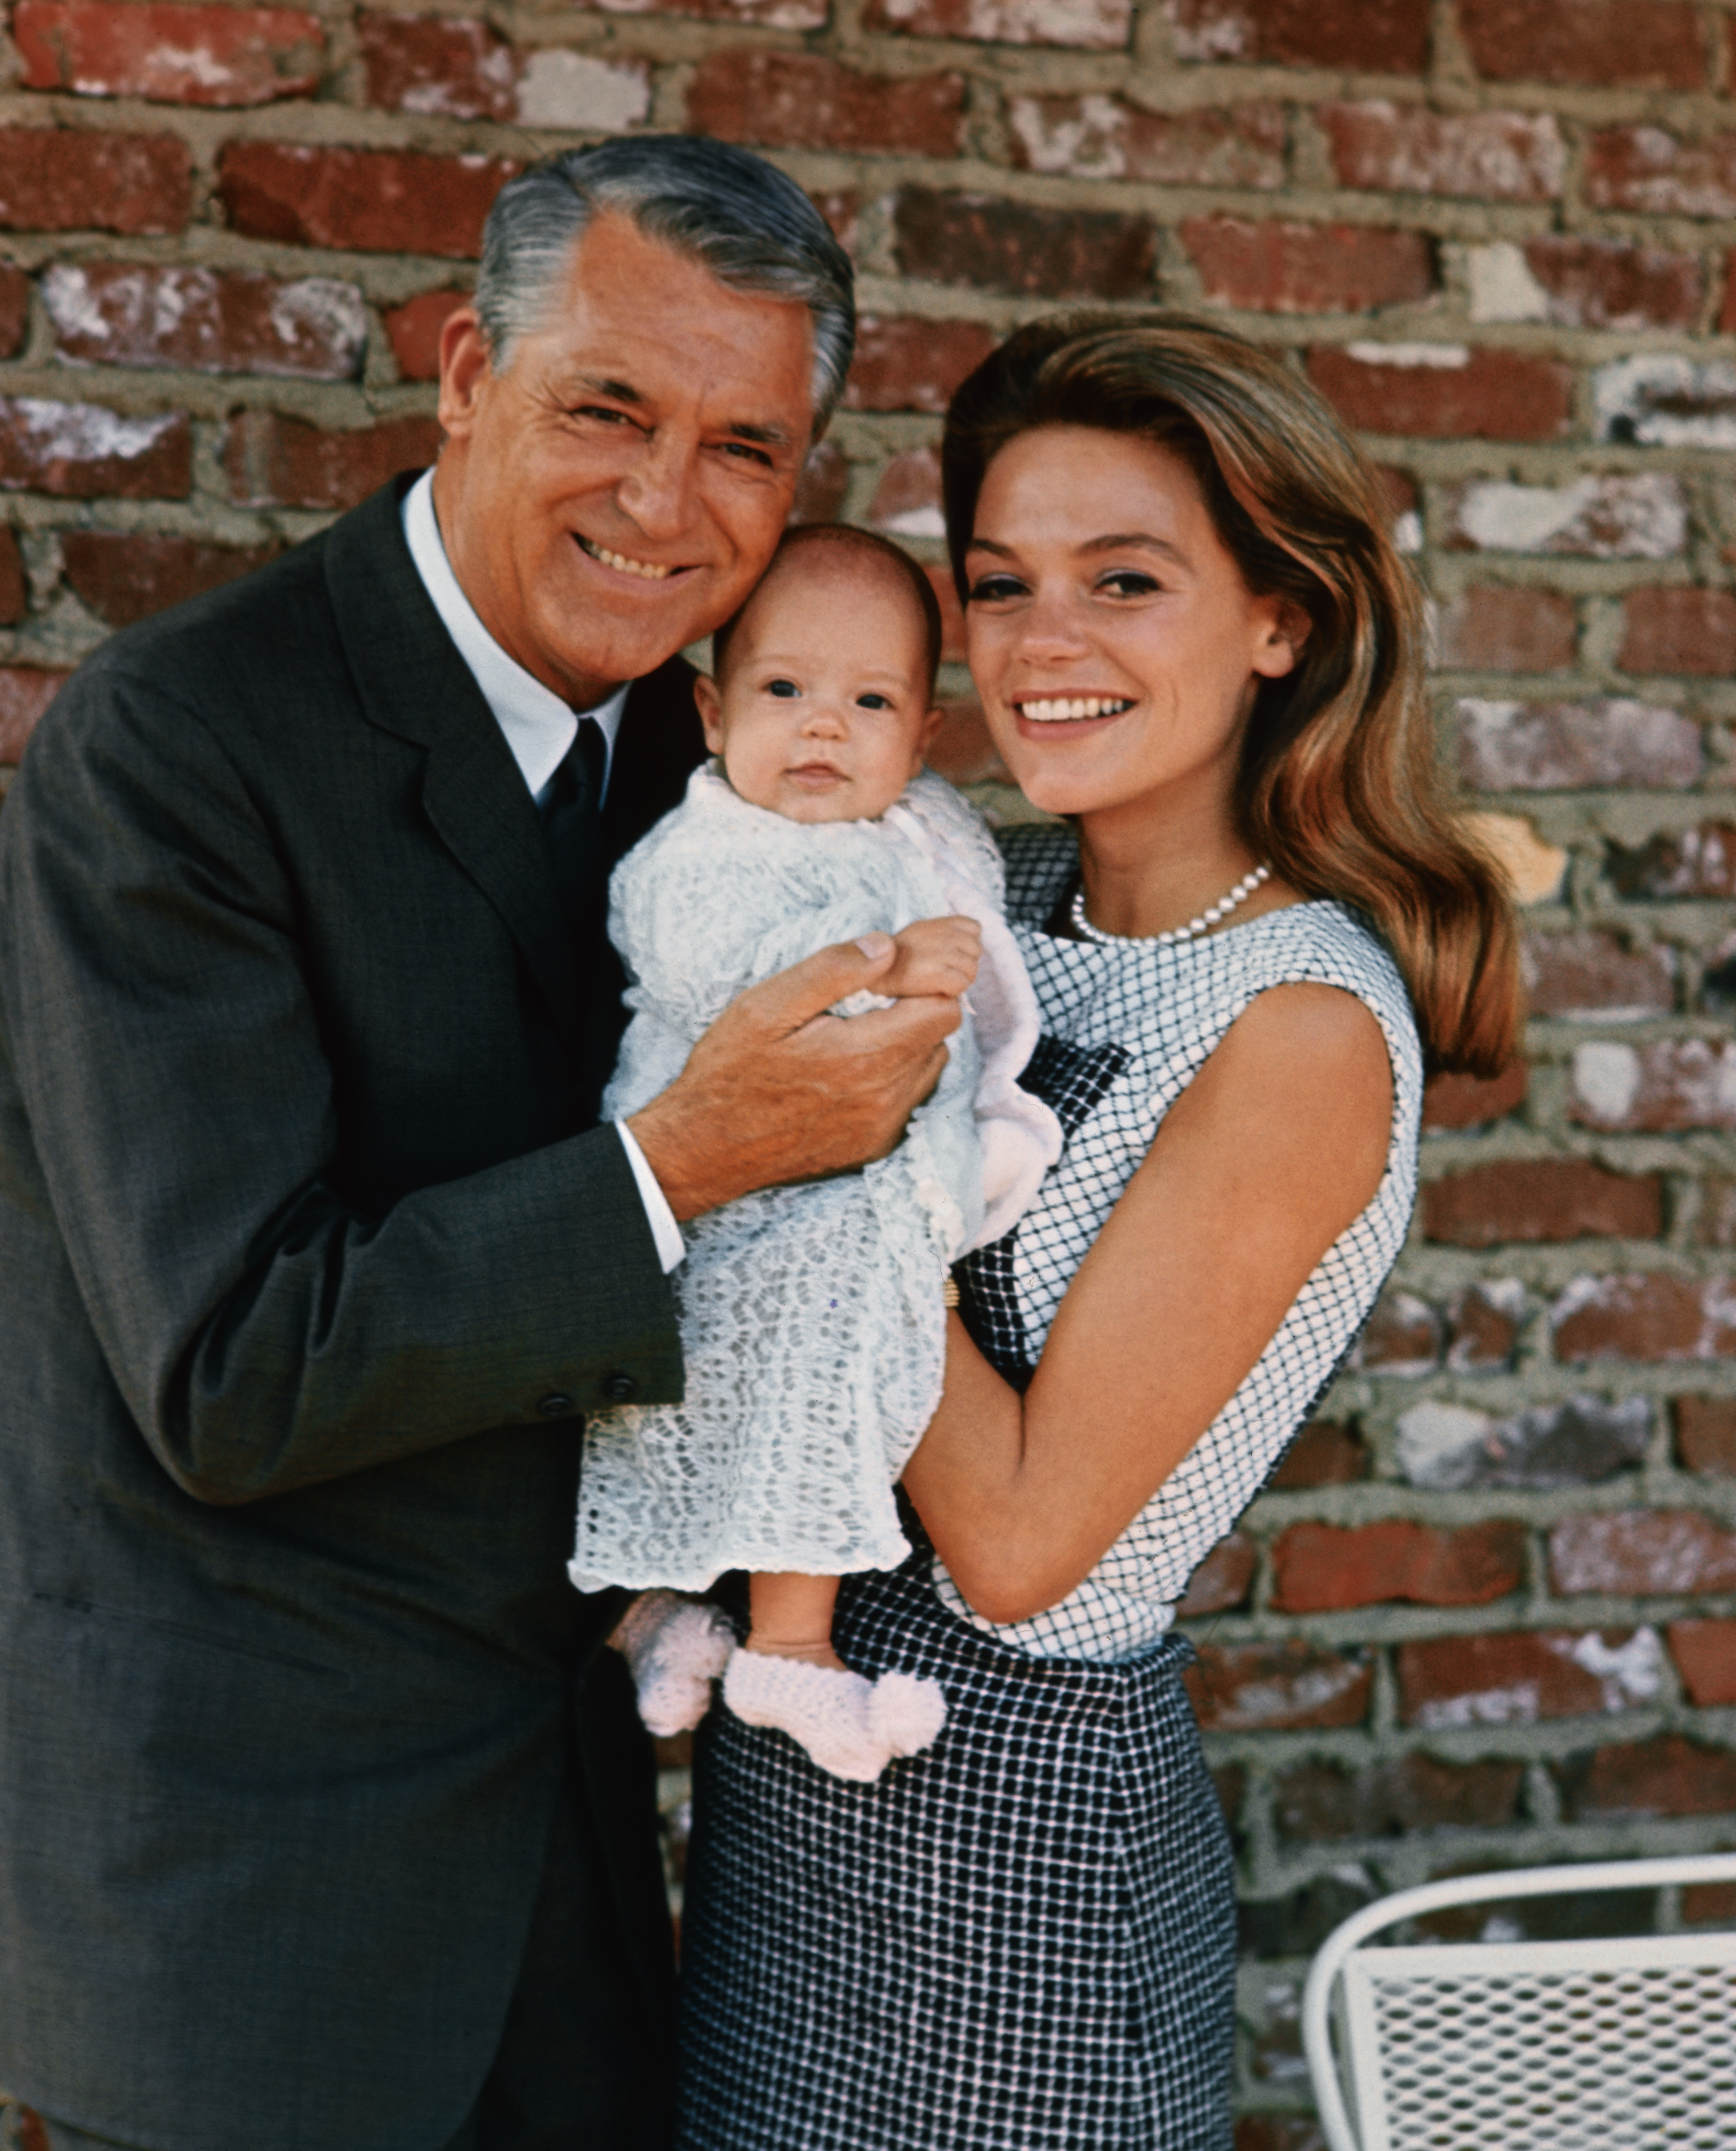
[1402, 1337]
[1545, 1198]
[1716, 1225]
[387, 201]
[1698, 861]
[1442, 392]
[1246, 1688]
[177, 55]
[1706, 1434]
[767, 14]
[1255, 2132]
[1223, 1579]
[413, 331]
[1491, 628]
[805, 101]
[26, 691]
[127, 575]
[1568, 746]
[952, 613]
[1317, 1803]
[1585, 42]
[1098, 136]
[1482, 1325]
[1318, 1568]
[448, 67]
[14, 591]
[1676, 1083]
[1712, 1904]
[1296, 1924]
[1657, 174]
[1669, 1776]
[910, 364]
[1092, 25]
[1325, 1453]
[1645, 1315]
[1405, 149]
[1605, 284]
[961, 751]
[1640, 515]
[1659, 399]
[14, 308]
[1000, 246]
[1641, 1552]
[842, 211]
[820, 489]
[113, 313]
[1472, 1101]
[1374, 37]
[273, 461]
[84, 451]
[1705, 1656]
[1589, 976]
[1525, 1676]
[54, 181]
[1575, 1916]
[1446, 1447]
[1309, 268]
[1678, 630]
[907, 500]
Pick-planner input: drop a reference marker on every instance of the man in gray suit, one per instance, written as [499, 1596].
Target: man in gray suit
[324, 1821]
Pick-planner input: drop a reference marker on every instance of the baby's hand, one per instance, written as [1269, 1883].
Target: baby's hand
[934, 956]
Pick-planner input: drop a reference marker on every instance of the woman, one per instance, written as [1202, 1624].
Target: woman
[1193, 640]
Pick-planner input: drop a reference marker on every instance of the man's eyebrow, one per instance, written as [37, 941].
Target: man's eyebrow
[617, 392]
[747, 429]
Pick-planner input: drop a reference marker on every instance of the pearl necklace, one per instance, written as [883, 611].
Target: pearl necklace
[1207, 919]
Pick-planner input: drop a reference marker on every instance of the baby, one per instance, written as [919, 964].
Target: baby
[813, 1317]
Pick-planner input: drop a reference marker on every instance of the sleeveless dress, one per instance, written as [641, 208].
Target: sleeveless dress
[1023, 1939]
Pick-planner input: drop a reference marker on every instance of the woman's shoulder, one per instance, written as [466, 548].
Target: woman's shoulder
[1326, 942]
[1041, 858]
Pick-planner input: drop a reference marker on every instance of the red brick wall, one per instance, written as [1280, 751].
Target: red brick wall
[1489, 1614]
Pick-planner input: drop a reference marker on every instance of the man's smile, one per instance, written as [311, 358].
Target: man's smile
[648, 571]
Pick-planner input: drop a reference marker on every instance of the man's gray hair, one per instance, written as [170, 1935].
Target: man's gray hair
[752, 228]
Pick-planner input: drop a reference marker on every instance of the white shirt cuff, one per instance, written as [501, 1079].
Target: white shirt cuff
[665, 1233]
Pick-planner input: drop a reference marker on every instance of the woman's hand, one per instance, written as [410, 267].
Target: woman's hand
[1273, 1149]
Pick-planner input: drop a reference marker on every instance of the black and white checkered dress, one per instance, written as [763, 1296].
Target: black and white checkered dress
[1024, 1939]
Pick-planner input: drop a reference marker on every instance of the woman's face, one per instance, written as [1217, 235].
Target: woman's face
[1114, 644]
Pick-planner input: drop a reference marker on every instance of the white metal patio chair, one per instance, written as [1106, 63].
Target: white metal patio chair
[1598, 2045]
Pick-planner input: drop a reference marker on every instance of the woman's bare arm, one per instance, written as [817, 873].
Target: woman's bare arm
[1275, 1146]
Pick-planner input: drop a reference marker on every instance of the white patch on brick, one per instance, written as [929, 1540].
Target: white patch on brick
[71, 308]
[87, 431]
[1257, 1703]
[1087, 143]
[918, 523]
[1407, 532]
[1640, 515]
[562, 89]
[1502, 288]
[1517, 1704]
[1628, 1674]
[330, 315]
[1446, 357]
[180, 64]
[1227, 33]
[1606, 1079]
[1442, 1446]
[1662, 400]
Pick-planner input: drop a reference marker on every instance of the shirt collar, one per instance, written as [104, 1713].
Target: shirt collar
[539, 727]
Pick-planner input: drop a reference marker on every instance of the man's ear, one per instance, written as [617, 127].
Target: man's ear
[464, 370]
[711, 710]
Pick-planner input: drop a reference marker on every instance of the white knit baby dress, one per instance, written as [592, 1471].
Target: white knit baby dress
[813, 1326]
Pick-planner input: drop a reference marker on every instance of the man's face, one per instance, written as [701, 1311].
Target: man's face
[615, 493]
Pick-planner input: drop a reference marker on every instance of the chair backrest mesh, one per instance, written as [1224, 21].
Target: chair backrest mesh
[1585, 2046]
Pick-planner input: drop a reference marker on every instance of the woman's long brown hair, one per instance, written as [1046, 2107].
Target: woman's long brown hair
[1339, 786]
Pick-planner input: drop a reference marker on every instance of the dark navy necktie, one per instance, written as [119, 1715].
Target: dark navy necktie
[572, 830]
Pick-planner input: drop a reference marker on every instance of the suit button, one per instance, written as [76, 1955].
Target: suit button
[555, 1405]
[620, 1389]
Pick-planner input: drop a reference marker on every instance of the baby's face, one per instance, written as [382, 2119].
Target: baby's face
[823, 712]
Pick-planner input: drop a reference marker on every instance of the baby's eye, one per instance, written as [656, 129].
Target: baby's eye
[1129, 583]
[987, 590]
[874, 702]
[786, 689]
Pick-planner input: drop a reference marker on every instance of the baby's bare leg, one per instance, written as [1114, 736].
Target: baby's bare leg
[792, 1617]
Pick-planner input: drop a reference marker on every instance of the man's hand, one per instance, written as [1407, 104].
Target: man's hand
[777, 1089]
[934, 956]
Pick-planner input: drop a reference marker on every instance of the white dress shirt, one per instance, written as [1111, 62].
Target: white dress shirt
[539, 728]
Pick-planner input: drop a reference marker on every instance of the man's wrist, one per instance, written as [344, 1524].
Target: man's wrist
[665, 1232]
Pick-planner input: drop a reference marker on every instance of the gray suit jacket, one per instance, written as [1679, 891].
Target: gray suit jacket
[310, 1258]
